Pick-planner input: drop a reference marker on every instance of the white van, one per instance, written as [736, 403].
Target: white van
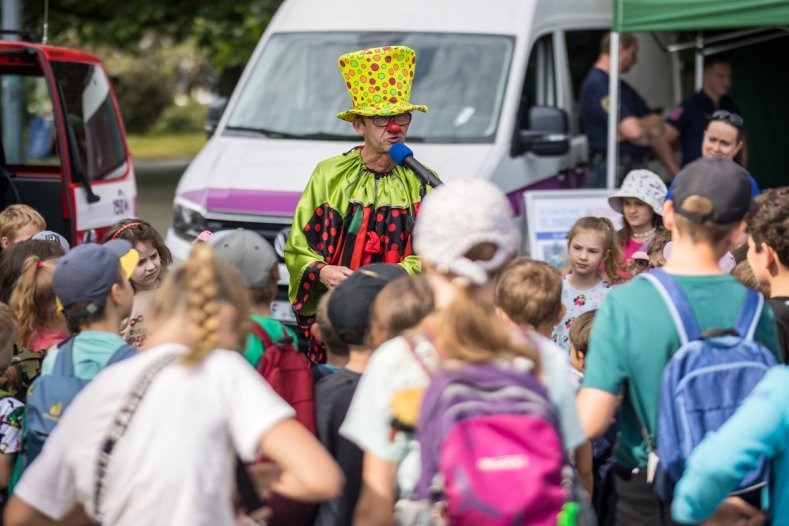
[501, 79]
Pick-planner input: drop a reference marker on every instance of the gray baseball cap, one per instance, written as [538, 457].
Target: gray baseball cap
[248, 252]
[49, 235]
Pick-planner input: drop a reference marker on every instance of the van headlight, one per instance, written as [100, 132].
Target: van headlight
[188, 220]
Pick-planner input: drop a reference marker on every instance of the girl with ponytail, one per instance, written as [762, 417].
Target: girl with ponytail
[465, 235]
[180, 413]
[34, 305]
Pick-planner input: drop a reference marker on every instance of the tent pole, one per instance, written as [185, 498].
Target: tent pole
[699, 62]
[612, 152]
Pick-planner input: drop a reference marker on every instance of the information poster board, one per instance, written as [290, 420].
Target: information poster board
[550, 214]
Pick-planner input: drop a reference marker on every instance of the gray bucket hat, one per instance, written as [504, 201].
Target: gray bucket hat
[644, 185]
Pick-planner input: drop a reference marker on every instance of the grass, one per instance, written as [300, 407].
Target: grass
[163, 146]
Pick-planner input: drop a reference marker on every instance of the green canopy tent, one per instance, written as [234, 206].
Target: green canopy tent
[767, 19]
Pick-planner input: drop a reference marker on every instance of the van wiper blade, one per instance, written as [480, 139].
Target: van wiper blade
[265, 131]
[315, 136]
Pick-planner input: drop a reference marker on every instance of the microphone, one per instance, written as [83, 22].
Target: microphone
[403, 156]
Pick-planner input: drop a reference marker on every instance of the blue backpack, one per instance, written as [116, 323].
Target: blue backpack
[49, 396]
[704, 383]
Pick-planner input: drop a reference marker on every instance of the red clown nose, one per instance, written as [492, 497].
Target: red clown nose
[393, 128]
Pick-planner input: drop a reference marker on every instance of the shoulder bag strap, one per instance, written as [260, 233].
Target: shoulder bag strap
[120, 424]
[749, 316]
[64, 360]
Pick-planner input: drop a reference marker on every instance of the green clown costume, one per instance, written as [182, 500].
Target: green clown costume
[349, 216]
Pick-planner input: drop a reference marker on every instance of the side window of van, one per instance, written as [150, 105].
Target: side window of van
[539, 88]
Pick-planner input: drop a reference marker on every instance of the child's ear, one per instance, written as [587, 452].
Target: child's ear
[4, 241]
[115, 293]
[772, 261]
[668, 215]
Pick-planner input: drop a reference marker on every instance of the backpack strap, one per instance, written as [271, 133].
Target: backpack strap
[64, 360]
[262, 335]
[677, 304]
[123, 352]
[266, 339]
[749, 315]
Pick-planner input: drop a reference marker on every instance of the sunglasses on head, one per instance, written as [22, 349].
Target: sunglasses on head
[727, 116]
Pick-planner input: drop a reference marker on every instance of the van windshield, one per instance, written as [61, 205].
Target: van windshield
[295, 89]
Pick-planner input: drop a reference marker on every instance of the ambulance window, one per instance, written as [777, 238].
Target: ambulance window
[28, 126]
[92, 118]
[539, 88]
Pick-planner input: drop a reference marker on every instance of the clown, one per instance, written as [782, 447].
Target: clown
[358, 207]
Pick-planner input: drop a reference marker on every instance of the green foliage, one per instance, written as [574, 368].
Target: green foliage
[144, 89]
[225, 30]
[188, 118]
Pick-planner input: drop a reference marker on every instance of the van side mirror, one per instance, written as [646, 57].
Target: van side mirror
[546, 133]
[214, 114]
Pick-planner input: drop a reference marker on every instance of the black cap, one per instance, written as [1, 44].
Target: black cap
[725, 183]
[352, 300]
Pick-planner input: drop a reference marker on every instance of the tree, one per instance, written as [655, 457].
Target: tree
[225, 30]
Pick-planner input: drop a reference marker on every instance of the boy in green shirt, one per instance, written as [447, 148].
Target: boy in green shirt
[255, 260]
[633, 336]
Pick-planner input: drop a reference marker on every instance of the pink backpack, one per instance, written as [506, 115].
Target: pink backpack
[491, 449]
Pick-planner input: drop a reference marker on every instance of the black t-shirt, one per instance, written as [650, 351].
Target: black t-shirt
[333, 394]
[690, 119]
[594, 102]
[780, 306]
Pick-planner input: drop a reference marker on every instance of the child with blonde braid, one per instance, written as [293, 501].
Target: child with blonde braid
[179, 413]
[591, 245]
[33, 303]
[155, 257]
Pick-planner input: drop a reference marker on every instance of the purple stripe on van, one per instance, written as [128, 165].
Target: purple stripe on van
[245, 201]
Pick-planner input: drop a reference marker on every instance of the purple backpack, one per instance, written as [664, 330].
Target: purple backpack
[491, 449]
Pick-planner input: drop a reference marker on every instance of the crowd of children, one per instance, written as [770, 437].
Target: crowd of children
[489, 389]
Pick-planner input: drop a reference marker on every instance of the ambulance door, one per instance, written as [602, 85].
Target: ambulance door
[30, 160]
[101, 185]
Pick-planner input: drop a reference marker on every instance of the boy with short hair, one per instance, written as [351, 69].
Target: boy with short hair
[255, 260]
[19, 222]
[529, 296]
[348, 310]
[322, 331]
[634, 336]
[768, 255]
[94, 292]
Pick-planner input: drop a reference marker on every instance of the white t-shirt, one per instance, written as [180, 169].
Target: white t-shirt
[175, 464]
[393, 367]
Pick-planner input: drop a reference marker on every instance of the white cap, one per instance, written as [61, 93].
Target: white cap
[459, 215]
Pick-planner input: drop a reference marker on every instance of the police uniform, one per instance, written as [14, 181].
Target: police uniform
[594, 102]
[690, 118]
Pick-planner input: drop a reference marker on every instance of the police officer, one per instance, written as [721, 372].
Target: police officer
[640, 131]
[690, 119]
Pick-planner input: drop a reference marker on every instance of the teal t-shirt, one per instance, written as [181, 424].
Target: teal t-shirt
[91, 352]
[254, 348]
[633, 337]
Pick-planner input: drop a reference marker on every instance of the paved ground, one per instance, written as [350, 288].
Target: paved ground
[156, 181]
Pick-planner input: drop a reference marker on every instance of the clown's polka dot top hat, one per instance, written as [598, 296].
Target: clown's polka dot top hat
[379, 81]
